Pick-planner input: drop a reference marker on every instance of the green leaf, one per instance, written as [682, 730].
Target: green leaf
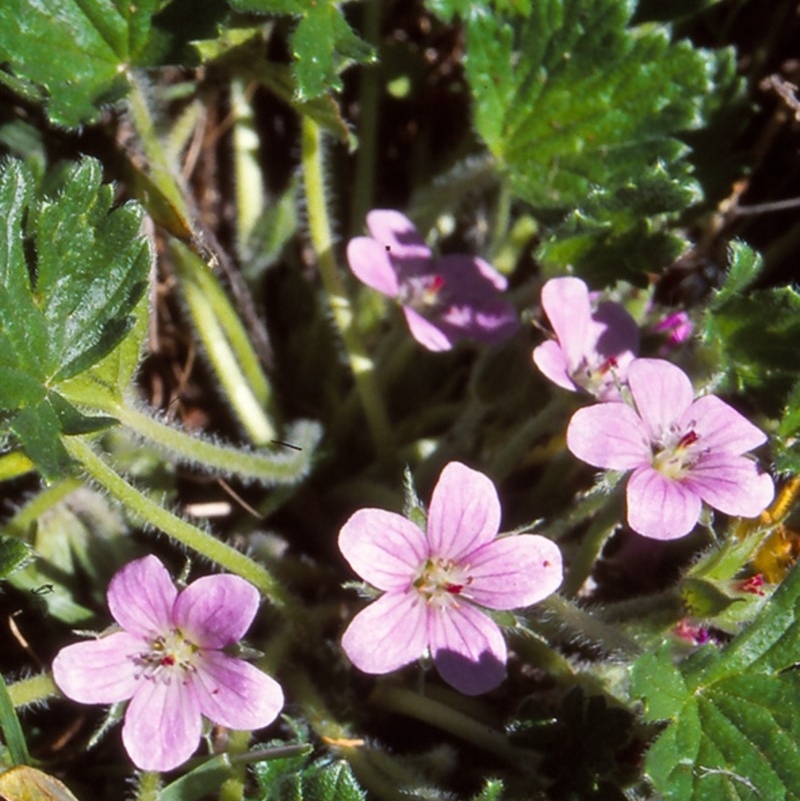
[72, 272]
[12, 731]
[72, 55]
[755, 338]
[734, 732]
[744, 267]
[14, 554]
[787, 441]
[571, 102]
[322, 43]
[322, 780]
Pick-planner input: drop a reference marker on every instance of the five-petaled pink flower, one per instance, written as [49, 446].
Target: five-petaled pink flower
[593, 348]
[435, 582]
[169, 660]
[682, 451]
[444, 299]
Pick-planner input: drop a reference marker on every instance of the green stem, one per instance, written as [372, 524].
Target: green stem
[32, 690]
[149, 786]
[558, 619]
[192, 537]
[232, 789]
[506, 459]
[368, 122]
[14, 465]
[602, 527]
[242, 383]
[20, 524]
[284, 467]
[343, 314]
[406, 702]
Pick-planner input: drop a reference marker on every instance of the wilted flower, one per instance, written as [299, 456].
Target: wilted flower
[169, 660]
[682, 451]
[677, 327]
[593, 347]
[434, 583]
[444, 299]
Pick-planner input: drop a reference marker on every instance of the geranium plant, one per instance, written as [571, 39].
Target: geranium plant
[271, 272]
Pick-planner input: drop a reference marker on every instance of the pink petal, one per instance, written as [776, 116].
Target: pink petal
[659, 507]
[614, 333]
[721, 428]
[387, 634]
[609, 435]
[140, 597]
[395, 231]
[515, 571]
[662, 392]
[371, 264]
[216, 611]
[236, 694]
[733, 484]
[384, 548]
[464, 512]
[99, 671]
[468, 279]
[551, 360]
[427, 333]
[566, 303]
[162, 725]
[468, 648]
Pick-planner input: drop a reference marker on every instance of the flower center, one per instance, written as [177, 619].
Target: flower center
[595, 377]
[423, 293]
[170, 656]
[441, 582]
[677, 454]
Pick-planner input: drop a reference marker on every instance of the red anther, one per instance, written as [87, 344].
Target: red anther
[437, 282]
[609, 364]
[752, 585]
[689, 438]
[167, 661]
[454, 589]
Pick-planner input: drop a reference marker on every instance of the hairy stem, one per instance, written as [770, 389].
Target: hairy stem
[343, 315]
[180, 530]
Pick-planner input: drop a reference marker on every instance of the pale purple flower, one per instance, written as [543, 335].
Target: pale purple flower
[682, 451]
[169, 659]
[434, 583]
[443, 300]
[593, 347]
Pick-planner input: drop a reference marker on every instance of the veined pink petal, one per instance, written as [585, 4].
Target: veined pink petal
[551, 360]
[464, 512]
[428, 334]
[662, 393]
[99, 671]
[394, 230]
[384, 548]
[721, 427]
[236, 694]
[141, 595]
[215, 611]
[609, 435]
[733, 484]
[566, 303]
[372, 265]
[659, 507]
[468, 648]
[162, 725]
[387, 634]
[514, 571]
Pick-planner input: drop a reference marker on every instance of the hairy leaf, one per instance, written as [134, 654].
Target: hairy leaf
[733, 731]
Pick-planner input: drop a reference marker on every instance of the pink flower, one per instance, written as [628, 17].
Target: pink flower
[593, 348]
[434, 583]
[169, 659]
[443, 300]
[677, 327]
[682, 451]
